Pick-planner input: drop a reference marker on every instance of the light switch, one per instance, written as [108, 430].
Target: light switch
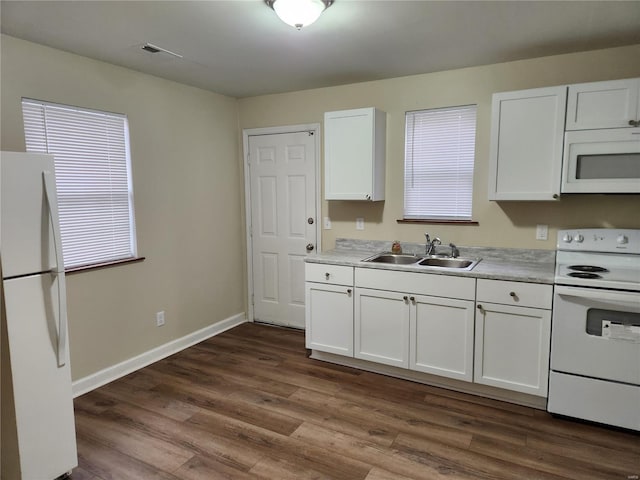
[542, 232]
[327, 223]
[359, 223]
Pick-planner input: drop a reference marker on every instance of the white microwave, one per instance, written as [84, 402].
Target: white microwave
[601, 161]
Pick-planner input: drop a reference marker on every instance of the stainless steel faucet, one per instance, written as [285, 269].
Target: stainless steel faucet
[431, 245]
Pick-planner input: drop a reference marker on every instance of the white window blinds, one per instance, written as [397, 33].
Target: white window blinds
[93, 179]
[438, 163]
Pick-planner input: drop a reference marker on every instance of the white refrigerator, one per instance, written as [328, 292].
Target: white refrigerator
[38, 427]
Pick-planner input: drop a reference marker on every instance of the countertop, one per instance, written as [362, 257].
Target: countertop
[520, 265]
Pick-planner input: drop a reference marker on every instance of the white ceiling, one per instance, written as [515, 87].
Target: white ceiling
[240, 48]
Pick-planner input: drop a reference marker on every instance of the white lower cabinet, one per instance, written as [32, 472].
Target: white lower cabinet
[511, 341]
[329, 309]
[489, 332]
[426, 333]
[382, 327]
[441, 337]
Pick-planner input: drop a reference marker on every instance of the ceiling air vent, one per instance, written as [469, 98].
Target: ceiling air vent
[151, 48]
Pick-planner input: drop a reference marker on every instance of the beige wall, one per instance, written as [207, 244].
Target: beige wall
[187, 189]
[188, 184]
[504, 224]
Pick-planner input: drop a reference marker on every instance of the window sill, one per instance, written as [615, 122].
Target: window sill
[437, 222]
[97, 266]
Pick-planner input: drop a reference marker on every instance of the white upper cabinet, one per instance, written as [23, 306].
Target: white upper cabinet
[527, 130]
[612, 104]
[354, 154]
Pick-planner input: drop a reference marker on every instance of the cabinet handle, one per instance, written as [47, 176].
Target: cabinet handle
[512, 294]
[368, 197]
[327, 275]
[405, 298]
[555, 195]
[348, 291]
[479, 307]
[633, 123]
[413, 299]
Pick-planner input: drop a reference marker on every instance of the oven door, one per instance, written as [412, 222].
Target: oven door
[601, 161]
[596, 334]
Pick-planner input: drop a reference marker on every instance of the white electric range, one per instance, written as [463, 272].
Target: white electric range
[595, 339]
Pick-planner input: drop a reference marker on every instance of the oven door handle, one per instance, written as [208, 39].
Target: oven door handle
[618, 298]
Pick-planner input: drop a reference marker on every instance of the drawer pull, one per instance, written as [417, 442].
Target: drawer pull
[327, 275]
[348, 291]
[405, 298]
[413, 299]
[513, 294]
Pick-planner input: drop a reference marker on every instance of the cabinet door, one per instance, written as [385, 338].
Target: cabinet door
[329, 318]
[603, 104]
[354, 150]
[382, 327]
[441, 337]
[512, 348]
[527, 133]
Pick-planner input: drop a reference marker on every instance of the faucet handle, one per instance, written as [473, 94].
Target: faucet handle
[427, 237]
[455, 253]
[436, 241]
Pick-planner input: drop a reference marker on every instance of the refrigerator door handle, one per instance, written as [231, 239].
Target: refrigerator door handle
[50, 192]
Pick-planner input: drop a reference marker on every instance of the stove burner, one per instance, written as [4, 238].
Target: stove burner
[584, 275]
[587, 268]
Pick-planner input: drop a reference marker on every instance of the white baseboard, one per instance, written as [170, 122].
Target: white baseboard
[98, 379]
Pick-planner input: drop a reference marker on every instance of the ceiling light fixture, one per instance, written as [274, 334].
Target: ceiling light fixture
[299, 13]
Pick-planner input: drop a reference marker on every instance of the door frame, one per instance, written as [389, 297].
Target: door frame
[249, 132]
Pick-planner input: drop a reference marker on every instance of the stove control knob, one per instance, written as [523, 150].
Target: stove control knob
[622, 240]
[579, 238]
[567, 238]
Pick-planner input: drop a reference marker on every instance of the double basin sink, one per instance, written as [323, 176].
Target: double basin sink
[436, 261]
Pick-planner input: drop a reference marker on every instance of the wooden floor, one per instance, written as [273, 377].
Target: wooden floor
[249, 404]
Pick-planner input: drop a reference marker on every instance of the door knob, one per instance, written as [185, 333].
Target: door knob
[309, 247]
[310, 220]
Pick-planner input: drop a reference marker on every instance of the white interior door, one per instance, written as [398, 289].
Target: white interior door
[282, 176]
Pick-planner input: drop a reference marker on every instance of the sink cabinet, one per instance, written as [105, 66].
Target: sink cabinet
[425, 323]
[441, 336]
[329, 308]
[382, 327]
[512, 336]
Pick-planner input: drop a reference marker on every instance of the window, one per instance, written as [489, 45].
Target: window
[438, 163]
[93, 179]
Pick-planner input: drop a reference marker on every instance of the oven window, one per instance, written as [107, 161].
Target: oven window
[611, 165]
[615, 324]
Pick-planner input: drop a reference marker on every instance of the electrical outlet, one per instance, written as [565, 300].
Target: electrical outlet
[327, 223]
[159, 319]
[359, 223]
[542, 232]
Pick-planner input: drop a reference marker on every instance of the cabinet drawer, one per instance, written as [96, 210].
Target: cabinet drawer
[418, 283]
[324, 273]
[515, 293]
